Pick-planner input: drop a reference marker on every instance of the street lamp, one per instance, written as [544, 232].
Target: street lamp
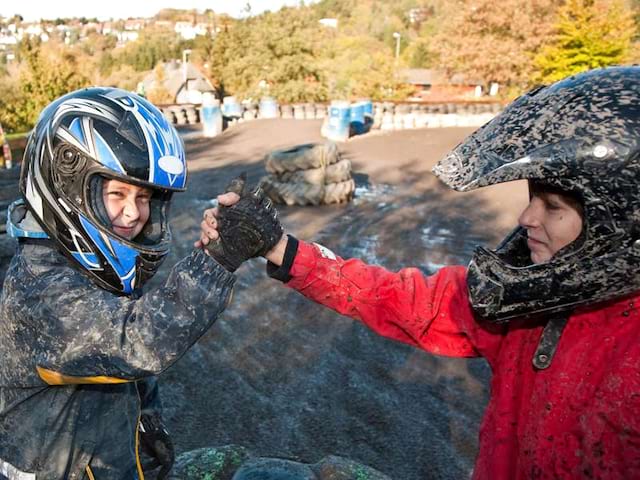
[397, 36]
[185, 55]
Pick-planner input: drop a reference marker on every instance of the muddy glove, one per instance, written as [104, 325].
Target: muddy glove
[249, 228]
[156, 443]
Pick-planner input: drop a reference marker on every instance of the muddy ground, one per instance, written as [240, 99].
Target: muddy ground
[287, 378]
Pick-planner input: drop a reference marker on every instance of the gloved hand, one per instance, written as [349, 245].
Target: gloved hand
[249, 228]
[156, 443]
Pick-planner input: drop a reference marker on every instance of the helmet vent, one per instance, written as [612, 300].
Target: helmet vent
[130, 130]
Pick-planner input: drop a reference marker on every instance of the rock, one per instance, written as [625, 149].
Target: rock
[338, 468]
[218, 463]
[274, 469]
[234, 462]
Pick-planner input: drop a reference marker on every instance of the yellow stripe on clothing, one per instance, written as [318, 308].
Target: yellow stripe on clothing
[90, 473]
[138, 464]
[55, 378]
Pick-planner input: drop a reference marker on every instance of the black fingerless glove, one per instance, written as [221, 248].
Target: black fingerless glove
[156, 443]
[249, 228]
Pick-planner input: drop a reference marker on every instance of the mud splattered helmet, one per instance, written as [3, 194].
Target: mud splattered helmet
[80, 140]
[580, 135]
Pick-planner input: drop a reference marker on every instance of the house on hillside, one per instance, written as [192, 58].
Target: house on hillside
[184, 83]
[435, 85]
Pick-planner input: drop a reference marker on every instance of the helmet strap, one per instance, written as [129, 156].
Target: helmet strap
[549, 340]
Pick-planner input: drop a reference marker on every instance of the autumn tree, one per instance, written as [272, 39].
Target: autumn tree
[495, 41]
[42, 79]
[588, 34]
[153, 46]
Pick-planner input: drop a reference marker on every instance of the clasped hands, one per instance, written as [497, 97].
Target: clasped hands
[244, 225]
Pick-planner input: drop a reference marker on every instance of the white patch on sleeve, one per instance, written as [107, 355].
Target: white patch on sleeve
[12, 473]
[325, 252]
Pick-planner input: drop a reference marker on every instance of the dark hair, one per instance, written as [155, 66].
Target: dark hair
[572, 198]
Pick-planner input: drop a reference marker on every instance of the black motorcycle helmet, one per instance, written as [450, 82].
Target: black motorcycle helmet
[80, 140]
[580, 135]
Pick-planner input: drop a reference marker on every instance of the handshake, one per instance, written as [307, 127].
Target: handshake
[244, 225]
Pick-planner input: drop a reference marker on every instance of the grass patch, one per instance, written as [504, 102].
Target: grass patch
[15, 136]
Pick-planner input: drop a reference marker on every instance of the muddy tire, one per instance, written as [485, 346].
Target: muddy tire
[314, 176]
[339, 192]
[302, 157]
[292, 193]
[338, 172]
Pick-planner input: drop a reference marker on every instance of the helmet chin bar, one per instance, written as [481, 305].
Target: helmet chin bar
[497, 292]
[500, 292]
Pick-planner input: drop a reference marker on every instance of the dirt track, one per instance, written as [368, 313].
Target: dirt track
[287, 378]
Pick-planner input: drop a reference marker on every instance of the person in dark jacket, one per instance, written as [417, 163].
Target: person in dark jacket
[554, 309]
[80, 340]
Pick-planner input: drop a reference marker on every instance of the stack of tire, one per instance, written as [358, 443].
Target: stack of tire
[309, 174]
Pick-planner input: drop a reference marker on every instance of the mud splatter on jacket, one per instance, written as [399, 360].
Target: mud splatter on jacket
[71, 353]
[579, 418]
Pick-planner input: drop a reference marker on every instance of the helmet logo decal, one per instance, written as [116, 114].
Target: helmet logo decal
[172, 165]
[120, 256]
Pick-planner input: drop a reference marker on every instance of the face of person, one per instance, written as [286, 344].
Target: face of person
[552, 219]
[127, 206]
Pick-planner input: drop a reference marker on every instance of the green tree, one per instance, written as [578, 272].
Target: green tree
[152, 47]
[361, 67]
[589, 34]
[274, 49]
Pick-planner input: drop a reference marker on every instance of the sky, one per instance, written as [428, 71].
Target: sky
[32, 10]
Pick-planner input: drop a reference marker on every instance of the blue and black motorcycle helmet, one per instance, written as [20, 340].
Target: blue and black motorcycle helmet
[80, 140]
[581, 136]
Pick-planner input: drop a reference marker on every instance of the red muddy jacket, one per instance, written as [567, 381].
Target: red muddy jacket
[579, 418]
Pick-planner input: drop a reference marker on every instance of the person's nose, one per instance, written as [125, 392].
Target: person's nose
[130, 210]
[531, 216]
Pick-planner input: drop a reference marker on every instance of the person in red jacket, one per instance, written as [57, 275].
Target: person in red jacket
[553, 309]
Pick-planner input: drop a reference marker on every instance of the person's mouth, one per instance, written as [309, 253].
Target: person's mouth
[124, 231]
[534, 242]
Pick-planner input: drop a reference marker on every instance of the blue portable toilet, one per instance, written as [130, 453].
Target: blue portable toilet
[357, 117]
[231, 108]
[211, 116]
[268, 108]
[337, 128]
[368, 107]
[368, 115]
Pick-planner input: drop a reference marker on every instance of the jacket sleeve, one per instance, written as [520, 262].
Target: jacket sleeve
[76, 332]
[432, 313]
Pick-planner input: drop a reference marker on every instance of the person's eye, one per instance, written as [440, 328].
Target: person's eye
[115, 194]
[552, 206]
[144, 199]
